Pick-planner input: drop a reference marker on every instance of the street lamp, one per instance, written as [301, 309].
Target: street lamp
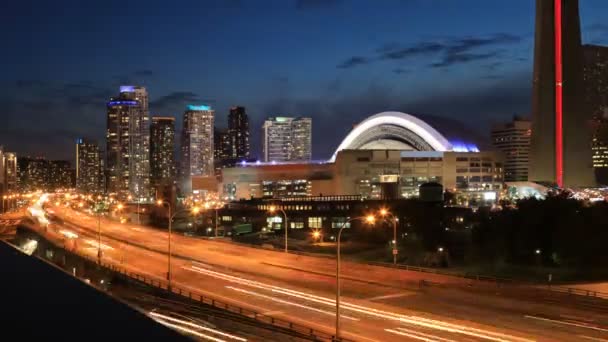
[171, 215]
[368, 219]
[386, 214]
[273, 209]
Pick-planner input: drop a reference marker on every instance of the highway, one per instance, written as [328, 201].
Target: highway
[378, 304]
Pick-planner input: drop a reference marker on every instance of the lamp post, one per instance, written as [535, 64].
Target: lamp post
[273, 209]
[369, 219]
[386, 214]
[130, 198]
[171, 215]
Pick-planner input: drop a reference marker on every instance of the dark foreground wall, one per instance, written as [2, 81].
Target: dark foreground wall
[41, 302]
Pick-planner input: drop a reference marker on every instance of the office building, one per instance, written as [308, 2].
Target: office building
[162, 153]
[89, 167]
[32, 174]
[513, 140]
[287, 139]
[238, 133]
[559, 150]
[128, 143]
[197, 144]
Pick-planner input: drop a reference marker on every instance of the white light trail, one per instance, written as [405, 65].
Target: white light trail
[197, 326]
[68, 234]
[414, 332]
[413, 320]
[566, 323]
[331, 313]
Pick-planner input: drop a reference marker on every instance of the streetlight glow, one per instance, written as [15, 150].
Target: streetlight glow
[370, 219]
[196, 210]
[383, 212]
[272, 209]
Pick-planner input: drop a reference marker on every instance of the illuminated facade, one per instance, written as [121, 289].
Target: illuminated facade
[128, 143]
[8, 171]
[162, 154]
[373, 174]
[560, 150]
[89, 167]
[197, 145]
[41, 174]
[513, 140]
[287, 139]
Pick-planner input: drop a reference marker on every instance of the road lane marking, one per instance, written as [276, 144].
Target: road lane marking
[593, 338]
[289, 303]
[394, 295]
[414, 320]
[566, 323]
[188, 330]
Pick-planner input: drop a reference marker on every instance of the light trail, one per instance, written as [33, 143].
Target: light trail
[331, 313]
[197, 326]
[68, 234]
[188, 330]
[413, 320]
[414, 336]
[96, 244]
[414, 332]
[566, 323]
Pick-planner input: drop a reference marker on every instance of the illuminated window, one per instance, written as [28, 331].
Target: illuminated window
[315, 222]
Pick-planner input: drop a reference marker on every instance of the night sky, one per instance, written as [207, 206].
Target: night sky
[335, 61]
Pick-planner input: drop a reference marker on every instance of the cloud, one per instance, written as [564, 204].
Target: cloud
[315, 4]
[458, 58]
[353, 62]
[175, 99]
[450, 51]
[398, 53]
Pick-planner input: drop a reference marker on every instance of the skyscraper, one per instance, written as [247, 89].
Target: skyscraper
[513, 140]
[197, 144]
[560, 151]
[222, 150]
[286, 139]
[162, 153]
[89, 167]
[10, 171]
[596, 96]
[238, 133]
[128, 143]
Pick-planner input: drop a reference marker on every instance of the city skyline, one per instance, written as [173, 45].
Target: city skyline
[383, 67]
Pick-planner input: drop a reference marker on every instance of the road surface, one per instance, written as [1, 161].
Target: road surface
[378, 304]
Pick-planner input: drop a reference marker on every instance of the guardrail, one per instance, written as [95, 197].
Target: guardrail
[304, 331]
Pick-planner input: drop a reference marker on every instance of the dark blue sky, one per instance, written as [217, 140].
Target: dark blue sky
[335, 61]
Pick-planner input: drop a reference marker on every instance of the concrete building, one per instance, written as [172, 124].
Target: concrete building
[128, 143]
[513, 140]
[559, 153]
[238, 133]
[360, 168]
[162, 151]
[59, 175]
[10, 172]
[287, 139]
[89, 167]
[197, 144]
[41, 174]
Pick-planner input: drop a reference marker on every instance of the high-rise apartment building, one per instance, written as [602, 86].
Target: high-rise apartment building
[238, 133]
[513, 140]
[596, 96]
[197, 141]
[222, 150]
[89, 167]
[128, 143]
[287, 139]
[59, 175]
[162, 151]
[560, 150]
[10, 172]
